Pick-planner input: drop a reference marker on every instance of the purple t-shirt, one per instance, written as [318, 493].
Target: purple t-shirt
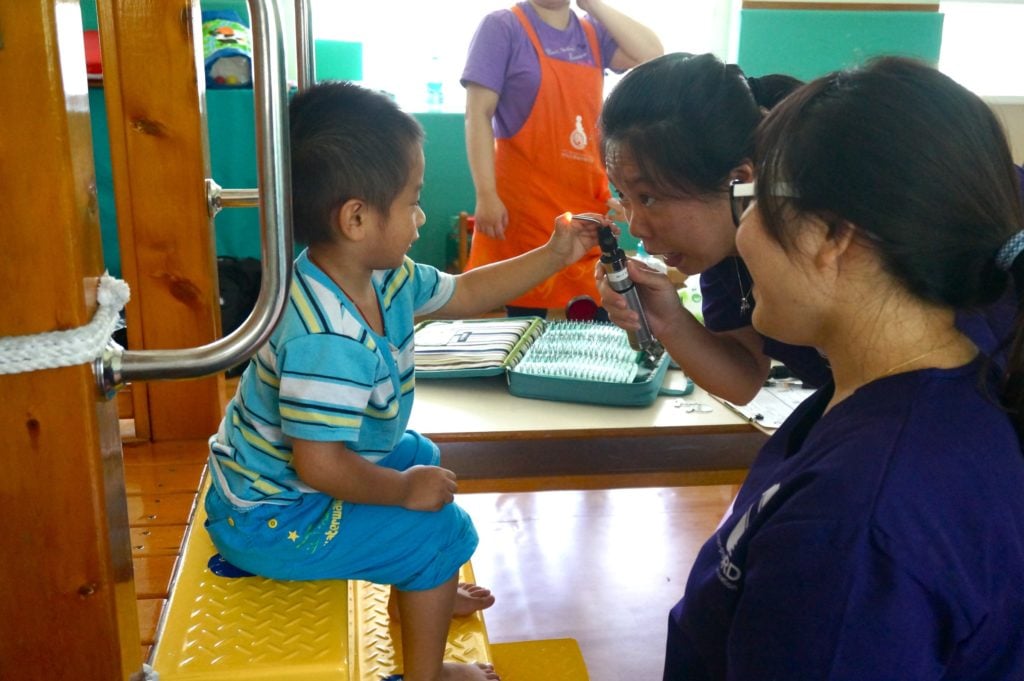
[883, 540]
[501, 58]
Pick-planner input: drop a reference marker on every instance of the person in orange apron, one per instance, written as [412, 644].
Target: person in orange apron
[534, 80]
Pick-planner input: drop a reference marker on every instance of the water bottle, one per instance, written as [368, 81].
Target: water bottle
[435, 88]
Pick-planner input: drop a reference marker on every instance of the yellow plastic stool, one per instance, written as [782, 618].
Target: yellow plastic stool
[558, 658]
[251, 628]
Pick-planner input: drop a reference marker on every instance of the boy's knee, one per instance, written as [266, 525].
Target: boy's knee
[463, 531]
[453, 541]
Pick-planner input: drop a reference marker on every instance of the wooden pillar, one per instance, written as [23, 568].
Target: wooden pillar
[67, 598]
[154, 91]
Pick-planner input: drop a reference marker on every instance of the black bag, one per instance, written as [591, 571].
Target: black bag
[239, 287]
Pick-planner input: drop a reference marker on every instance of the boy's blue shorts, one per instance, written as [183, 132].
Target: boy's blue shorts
[319, 537]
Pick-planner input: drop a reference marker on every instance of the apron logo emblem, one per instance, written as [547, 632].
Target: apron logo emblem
[578, 138]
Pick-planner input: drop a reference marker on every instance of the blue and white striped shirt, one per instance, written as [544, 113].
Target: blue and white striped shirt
[324, 375]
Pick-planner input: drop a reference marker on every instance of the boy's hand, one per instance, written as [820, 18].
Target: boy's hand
[571, 240]
[428, 488]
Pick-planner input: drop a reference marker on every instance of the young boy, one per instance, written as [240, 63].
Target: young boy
[314, 473]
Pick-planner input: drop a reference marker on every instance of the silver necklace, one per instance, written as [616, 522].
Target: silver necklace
[744, 297]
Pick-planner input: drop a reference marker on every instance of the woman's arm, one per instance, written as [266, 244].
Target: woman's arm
[728, 364]
[637, 43]
[491, 215]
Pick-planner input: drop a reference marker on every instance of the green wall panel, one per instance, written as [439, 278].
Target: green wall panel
[810, 43]
[447, 187]
[104, 182]
[338, 60]
[232, 138]
[89, 20]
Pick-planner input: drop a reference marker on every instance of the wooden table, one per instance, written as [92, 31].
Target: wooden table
[486, 433]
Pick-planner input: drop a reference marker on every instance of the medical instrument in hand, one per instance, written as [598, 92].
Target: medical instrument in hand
[613, 260]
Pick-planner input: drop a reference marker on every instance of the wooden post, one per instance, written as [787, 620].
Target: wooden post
[67, 597]
[154, 90]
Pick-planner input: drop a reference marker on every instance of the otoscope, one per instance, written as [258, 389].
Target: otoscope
[613, 260]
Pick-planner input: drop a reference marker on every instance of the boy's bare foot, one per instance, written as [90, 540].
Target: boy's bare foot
[468, 672]
[470, 597]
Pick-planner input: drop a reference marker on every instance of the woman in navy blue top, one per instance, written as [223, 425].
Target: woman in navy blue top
[879, 535]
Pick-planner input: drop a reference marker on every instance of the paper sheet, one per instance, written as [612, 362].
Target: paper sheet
[772, 405]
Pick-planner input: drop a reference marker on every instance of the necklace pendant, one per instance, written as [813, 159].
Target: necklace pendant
[744, 305]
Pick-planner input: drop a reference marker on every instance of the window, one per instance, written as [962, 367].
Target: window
[981, 44]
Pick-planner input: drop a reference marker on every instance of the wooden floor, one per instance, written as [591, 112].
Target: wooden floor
[161, 482]
[602, 566]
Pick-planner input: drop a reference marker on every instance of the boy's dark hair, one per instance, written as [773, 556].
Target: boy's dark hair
[347, 142]
[688, 120]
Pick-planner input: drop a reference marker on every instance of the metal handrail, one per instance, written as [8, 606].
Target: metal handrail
[118, 366]
[305, 48]
[218, 198]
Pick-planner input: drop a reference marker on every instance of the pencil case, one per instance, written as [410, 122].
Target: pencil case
[566, 361]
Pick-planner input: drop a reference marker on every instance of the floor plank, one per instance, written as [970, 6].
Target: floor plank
[149, 617]
[176, 451]
[158, 479]
[157, 540]
[153, 575]
[160, 509]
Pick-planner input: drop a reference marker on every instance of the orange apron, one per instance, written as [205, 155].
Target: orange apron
[551, 165]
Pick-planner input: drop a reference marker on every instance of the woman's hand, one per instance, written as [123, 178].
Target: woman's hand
[491, 216]
[658, 295]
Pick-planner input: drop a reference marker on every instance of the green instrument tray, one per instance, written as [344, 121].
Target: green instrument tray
[585, 362]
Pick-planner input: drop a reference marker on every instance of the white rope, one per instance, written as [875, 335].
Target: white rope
[52, 349]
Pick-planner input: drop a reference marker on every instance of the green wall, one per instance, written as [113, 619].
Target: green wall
[809, 43]
[447, 187]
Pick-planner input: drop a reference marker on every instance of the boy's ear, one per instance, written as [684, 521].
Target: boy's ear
[352, 219]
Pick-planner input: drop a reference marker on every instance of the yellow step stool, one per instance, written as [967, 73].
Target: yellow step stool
[251, 628]
[556, 659]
